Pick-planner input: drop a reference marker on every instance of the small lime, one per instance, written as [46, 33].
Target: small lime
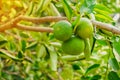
[73, 46]
[85, 28]
[62, 30]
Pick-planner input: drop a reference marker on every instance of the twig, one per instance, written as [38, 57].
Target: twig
[106, 26]
[43, 19]
[37, 29]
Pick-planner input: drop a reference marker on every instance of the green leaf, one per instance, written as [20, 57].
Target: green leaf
[32, 45]
[102, 42]
[87, 6]
[113, 76]
[76, 66]
[30, 8]
[103, 18]
[20, 54]
[73, 57]
[67, 73]
[3, 42]
[85, 78]
[91, 68]
[24, 35]
[41, 51]
[116, 45]
[75, 23]
[107, 33]
[53, 59]
[96, 77]
[2, 37]
[103, 13]
[8, 55]
[43, 4]
[92, 43]
[39, 7]
[54, 11]
[103, 8]
[12, 45]
[67, 9]
[23, 45]
[114, 64]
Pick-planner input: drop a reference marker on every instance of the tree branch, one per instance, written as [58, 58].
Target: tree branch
[10, 24]
[106, 26]
[37, 29]
[43, 19]
[14, 22]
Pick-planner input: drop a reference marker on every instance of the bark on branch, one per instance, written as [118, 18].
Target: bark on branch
[36, 29]
[106, 26]
[10, 24]
[43, 19]
[14, 23]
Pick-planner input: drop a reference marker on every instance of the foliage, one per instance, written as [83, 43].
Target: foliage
[27, 55]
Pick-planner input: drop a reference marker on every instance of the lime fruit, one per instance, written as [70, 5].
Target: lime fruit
[62, 30]
[84, 28]
[73, 46]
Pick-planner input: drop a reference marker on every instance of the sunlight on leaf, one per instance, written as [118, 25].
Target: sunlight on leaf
[87, 6]
[114, 64]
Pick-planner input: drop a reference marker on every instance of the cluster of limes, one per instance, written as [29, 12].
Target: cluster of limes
[73, 41]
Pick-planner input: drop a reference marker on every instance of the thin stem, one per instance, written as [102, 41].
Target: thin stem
[36, 29]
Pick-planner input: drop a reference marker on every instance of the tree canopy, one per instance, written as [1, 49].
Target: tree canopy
[29, 49]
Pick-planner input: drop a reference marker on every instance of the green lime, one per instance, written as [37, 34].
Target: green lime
[84, 28]
[62, 30]
[73, 46]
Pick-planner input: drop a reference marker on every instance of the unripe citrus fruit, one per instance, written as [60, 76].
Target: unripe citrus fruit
[73, 46]
[62, 30]
[84, 28]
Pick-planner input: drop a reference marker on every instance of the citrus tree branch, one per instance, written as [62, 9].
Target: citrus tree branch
[14, 22]
[36, 29]
[43, 19]
[106, 26]
[10, 24]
